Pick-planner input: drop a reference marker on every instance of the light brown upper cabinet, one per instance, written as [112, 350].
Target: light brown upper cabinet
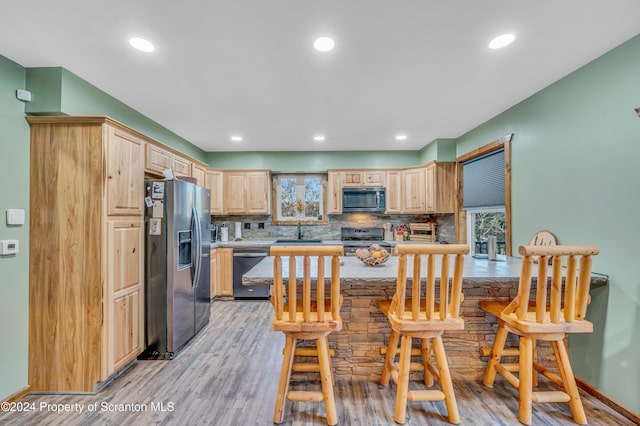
[214, 182]
[352, 178]
[246, 192]
[181, 166]
[429, 188]
[86, 249]
[199, 173]
[393, 193]
[374, 177]
[440, 187]
[334, 192]
[363, 178]
[124, 161]
[414, 191]
[157, 160]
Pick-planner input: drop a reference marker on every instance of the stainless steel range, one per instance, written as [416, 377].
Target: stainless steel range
[353, 238]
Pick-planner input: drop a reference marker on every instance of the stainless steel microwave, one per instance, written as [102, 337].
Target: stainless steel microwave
[363, 200]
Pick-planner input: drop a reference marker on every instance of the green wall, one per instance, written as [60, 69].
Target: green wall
[14, 194]
[57, 91]
[575, 172]
[312, 161]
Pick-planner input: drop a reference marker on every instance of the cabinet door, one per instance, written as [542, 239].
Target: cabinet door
[234, 193]
[124, 298]
[430, 188]
[352, 179]
[157, 159]
[214, 182]
[124, 174]
[414, 190]
[334, 193]
[181, 167]
[199, 173]
[128, 328]
[393, 192]
[257, 193]
[214, 274]
[225, 265]
[374, 178]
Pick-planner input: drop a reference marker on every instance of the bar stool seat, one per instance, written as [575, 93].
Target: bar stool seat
[426, 317]
[559, 308]
[313, 317]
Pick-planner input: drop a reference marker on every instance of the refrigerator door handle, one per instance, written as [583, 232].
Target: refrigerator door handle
[198, 242]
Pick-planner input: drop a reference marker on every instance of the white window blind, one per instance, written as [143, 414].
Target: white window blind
[483, 180]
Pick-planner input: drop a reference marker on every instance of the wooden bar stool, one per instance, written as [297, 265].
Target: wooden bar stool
[311, 318]
[546, 319]
[424, 317]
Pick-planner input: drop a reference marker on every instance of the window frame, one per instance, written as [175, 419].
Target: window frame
[460, 214]
[278, 220]
[471, 224]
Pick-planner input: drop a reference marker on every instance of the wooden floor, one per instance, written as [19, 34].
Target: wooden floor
[228, 376]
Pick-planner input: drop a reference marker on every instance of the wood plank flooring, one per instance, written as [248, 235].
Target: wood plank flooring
[228, 375]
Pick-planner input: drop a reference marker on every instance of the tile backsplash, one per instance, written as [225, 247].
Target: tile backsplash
[445, 225]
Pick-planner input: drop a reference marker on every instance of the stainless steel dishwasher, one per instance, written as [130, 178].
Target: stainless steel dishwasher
[243, 260]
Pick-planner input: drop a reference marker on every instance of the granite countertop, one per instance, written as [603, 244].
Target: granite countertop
[478, 271]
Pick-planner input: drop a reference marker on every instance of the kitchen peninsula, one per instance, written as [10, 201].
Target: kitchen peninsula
[365, 330]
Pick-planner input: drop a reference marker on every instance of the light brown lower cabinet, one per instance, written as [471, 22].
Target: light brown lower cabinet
[225, 274]
[214, 273]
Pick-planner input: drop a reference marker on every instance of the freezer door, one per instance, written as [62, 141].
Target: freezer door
[203, 284]
[180, 261]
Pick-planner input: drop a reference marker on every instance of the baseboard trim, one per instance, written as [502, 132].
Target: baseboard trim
[18, 395]
[594, 392]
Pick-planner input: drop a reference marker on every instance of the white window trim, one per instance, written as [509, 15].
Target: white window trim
[300, 195]
[471, 224]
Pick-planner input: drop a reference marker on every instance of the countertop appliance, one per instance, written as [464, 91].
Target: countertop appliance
[177, 264]
[354, 238]
[243, 260]
[363, 200]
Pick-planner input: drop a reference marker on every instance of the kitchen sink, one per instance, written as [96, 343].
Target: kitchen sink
[298, 242]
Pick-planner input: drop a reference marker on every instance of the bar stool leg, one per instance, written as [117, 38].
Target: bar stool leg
[327, 382]
[425, 352]
[569, 382]
[390, 357]
[445, 381]
[285, 376]
[534, 344]
[403, 380]
[525, 378]
[494, 357]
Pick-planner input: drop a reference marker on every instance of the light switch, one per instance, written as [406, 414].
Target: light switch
[15, 216]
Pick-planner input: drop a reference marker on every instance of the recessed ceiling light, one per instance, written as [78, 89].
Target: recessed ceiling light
[502, 41]
[318, 138]
[401, 137]
[141, 44]
[324, 44]
[236, 138]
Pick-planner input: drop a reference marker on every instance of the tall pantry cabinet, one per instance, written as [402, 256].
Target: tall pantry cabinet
[86, 290]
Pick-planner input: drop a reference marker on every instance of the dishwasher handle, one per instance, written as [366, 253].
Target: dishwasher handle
[250, 255]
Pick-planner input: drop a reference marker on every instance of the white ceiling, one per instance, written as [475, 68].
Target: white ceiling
[421, 67]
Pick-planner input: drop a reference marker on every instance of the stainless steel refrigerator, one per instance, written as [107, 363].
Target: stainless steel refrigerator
[177, 265]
